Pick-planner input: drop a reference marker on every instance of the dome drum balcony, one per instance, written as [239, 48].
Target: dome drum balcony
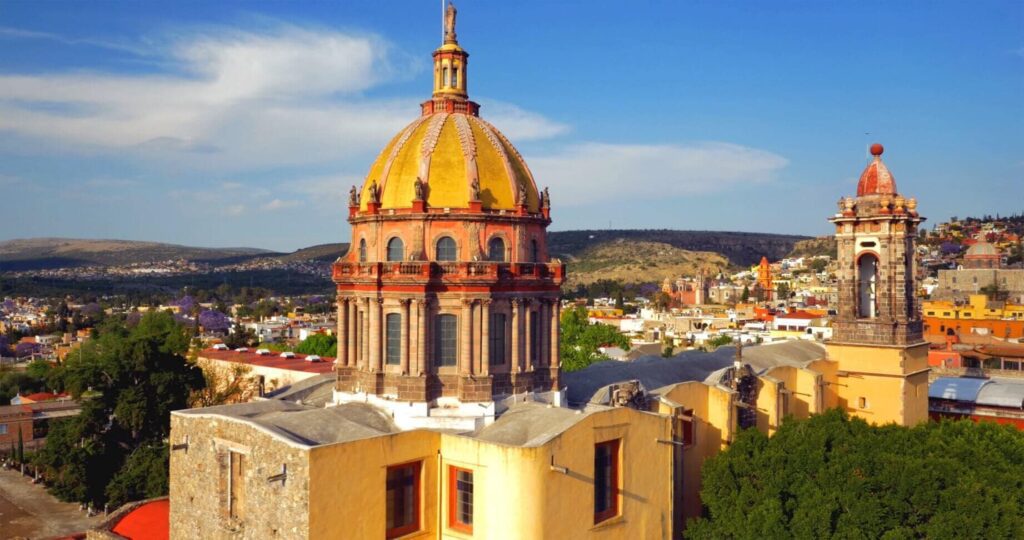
[484, 273]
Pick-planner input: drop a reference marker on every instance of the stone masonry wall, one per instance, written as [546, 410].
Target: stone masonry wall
[271, 509]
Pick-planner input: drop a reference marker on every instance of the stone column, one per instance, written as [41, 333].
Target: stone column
[364, 338]
[466, 339]
[375, 358]
[353, 315]
[542, 336]
[422, 329]
[404, 351]
[485, 337]
[555, 337]
[517, 309]
[528, 346]
[342, 359]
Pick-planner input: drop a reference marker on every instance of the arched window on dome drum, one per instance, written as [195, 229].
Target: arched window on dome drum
[362, 250]
[867, 286]
[396, 250]
[496, 250]
[446, 249]
[534, 251]
[455, 77]
[444, 76]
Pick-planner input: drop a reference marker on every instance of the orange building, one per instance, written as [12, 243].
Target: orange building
[764, 278]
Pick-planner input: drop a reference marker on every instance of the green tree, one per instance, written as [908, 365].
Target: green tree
[320, 345]
[745, 295]
[133, 379]
[580, 340]
[782, 291]
[835, 477]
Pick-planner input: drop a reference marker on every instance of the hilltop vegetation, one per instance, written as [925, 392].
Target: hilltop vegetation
[37, 253]
[638, 262]
[741, 248]
[812, 247]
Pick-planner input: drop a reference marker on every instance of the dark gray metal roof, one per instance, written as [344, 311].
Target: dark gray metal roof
[654, 372]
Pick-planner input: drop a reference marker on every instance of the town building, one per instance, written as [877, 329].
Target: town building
[977, 315]
[982, 400]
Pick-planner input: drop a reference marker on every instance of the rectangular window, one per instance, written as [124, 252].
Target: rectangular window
[3, 429]
[993, 363]
[1011, 365]
[446, 337]
[606, 480]
[403, 500]
[862, 402]
[393, 338]
[497, 339]
[460, 499]
[234, 491]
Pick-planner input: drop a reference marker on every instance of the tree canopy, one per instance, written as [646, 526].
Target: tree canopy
[320, 345]
[131, 379]
[835, 477]
[581, 340]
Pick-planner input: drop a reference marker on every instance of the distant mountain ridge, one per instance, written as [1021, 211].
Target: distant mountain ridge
[741, 248]
[588, 250]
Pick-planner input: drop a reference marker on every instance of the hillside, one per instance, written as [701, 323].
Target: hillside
[321, 252]
[42, 253]
[823, 245]
[638, 262]
[741, 248]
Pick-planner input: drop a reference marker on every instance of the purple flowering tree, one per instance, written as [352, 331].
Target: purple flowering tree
[26, 349]
[186, 303]
[214, 321]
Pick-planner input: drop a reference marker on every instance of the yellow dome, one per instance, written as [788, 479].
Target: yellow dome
[447, 151]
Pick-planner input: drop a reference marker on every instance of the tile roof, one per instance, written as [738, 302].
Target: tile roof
[150, 521]
[272, 360]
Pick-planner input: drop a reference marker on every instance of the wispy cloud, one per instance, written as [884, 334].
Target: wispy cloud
[279, 204]
[230, 99]
[591, 172]
[20, 33]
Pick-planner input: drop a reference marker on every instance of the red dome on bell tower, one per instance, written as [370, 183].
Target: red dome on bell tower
[876, 178]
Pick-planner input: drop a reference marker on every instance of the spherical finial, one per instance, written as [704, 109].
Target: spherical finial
[877, 149]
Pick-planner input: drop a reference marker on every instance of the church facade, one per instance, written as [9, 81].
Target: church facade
[447, 414]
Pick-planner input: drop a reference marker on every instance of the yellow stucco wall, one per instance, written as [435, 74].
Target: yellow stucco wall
[347, 484]
[882, 384]
[516, 494]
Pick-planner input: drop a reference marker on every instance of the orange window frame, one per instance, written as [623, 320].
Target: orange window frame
[413, 526]
[453, 500]
[614, 447]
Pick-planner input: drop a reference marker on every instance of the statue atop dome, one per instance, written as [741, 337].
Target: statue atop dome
[449, 23]
[353, 197]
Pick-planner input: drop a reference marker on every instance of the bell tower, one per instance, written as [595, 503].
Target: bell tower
[877, 338]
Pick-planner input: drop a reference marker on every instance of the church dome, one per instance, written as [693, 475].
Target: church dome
[876, 178]
[456, 156]
[447, 151]
[982, 249]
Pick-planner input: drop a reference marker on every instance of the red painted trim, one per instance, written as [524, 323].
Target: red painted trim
[417, 468]
[613, 510]
[453, 501]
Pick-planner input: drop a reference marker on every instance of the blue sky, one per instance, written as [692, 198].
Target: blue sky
[244, 123]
